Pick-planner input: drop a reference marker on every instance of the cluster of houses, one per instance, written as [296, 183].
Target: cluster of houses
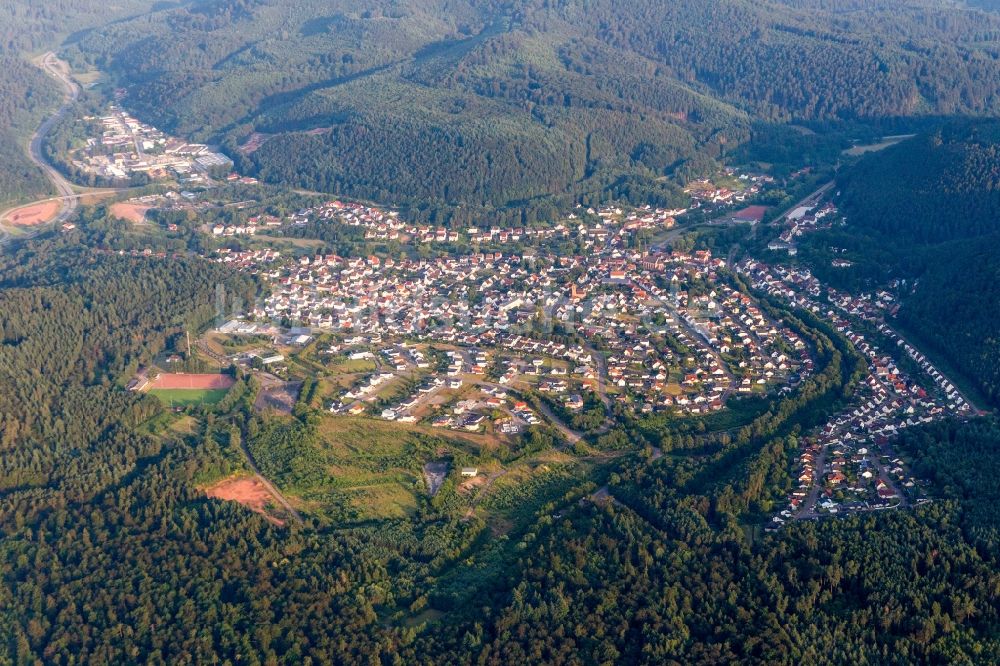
[805, 219]
[253, 224]
[471, 414]
[378, 224]
[665, 348]
[705, 193]
[848, 464]
[234, 230]
[386, 225]
[804, 289]
[126, 146]
[255, 262]
[433, 388]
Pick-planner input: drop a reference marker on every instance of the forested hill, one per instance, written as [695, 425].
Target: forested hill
[483, 102]
[25, 94]
[30, 25]
[111, 554]
[940, 186]
[928, 210]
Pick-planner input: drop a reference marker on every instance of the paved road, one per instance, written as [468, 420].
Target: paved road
[572, 436]
[696, 334]
[68, 198]
[948, 379]
[808, 509]
[809, 201]
[602, 374]
[71, 92]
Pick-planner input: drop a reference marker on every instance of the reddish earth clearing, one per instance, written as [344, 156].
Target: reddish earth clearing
[249, 492]
[255, 141]
[29, 216]
[180, 380]
[134, 213]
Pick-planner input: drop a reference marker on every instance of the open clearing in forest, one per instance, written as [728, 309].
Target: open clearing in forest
[130, 212]
[185, 390]
[886, 142]
[189, 397]
[248, 491]
[277, 395]
[37, 213]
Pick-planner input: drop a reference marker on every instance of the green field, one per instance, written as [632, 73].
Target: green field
[189, 397]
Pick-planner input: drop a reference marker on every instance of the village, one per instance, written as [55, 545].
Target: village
[849, 464]
[381, 225]
[803, 220]
[489, 340]
[451, 340]
[492, 341]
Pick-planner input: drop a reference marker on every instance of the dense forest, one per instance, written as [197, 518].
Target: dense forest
[110, 549]
[497, 104]
[925, 212]
[28, 25]
[940, 186]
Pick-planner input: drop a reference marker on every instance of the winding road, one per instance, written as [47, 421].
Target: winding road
[67, 197]
[58, 70]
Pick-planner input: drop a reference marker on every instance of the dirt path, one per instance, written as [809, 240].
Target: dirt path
[486, 487]
[270, 486]
[571, 435]
[602, 374]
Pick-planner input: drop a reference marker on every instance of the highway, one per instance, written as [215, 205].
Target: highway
[67, 198]
[58, 70]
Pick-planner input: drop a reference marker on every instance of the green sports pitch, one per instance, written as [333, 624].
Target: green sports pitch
[189, 397]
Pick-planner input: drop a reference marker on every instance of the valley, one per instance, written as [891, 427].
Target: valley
[469, 332]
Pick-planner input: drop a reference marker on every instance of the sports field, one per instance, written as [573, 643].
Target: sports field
[183, 380]
[189, 397]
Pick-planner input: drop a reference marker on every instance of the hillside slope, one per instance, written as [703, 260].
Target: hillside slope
[477, 102]
[940, 186]
[928, 210]
[24, 94]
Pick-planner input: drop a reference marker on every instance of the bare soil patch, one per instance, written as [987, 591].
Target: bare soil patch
[94, 198]
[434, 474]
[248, 491]
[255, 141]
[29, 216]
[130, 212]
[278, 395]
[469, 485]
